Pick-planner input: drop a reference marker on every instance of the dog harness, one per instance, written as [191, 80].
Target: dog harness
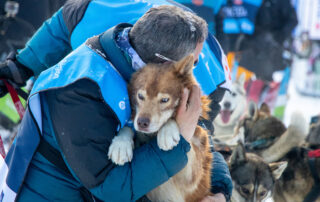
[315, 191]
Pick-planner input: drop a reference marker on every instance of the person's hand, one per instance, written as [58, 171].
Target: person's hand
[12, 70]
[215, 198]
[189, 111]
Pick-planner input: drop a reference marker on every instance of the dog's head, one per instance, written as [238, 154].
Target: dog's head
[259, 124]
[313, 138]
[233, 104]
[252, 177]
[155, 92]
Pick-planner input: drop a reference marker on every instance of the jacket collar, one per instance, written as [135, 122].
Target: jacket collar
[115, 43]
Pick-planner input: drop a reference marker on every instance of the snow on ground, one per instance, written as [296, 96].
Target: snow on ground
[309, 106]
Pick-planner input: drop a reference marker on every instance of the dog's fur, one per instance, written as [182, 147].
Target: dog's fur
[233, 106]
[253, 178]
[155, 92]
[296, 180]
[261, 125]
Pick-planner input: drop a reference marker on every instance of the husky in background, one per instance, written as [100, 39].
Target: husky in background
[155, 93]
[300, 181]
[297, 181]
[267, 136]
[313, 139]
[253, 178]
[233, 106]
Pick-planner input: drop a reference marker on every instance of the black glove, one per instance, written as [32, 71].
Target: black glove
[215, 97]
[12, 70]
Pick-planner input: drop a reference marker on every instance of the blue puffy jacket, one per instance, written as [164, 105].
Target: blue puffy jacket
[56, 38]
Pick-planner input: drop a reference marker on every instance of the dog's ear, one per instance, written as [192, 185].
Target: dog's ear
[277, 168]
[238, 156]
[253, 110]
[241, 79]
[185, 66]
[265, 108]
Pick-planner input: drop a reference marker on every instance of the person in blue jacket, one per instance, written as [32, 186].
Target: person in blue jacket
[207, 9]
[66, 30]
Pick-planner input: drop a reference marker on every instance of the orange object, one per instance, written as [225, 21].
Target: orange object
[231, 58]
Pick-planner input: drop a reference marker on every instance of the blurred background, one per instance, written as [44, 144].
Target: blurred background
[275, 43]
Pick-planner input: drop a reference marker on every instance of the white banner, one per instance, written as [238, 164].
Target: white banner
[315, 20]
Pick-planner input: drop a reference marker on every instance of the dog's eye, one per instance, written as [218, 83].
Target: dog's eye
[234, 94]
[164, 100]
[140, 96]
[262, 194]
[245, 191]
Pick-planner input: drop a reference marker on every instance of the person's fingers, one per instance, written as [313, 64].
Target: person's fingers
[184, 100]
[195, 98]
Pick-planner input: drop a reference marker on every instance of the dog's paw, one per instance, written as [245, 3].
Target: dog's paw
[121, 148]
[168, 135]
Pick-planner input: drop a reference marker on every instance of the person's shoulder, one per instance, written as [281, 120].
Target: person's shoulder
[73, 11]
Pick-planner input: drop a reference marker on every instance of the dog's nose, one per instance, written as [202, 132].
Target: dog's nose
[227, 105]
[143, 122]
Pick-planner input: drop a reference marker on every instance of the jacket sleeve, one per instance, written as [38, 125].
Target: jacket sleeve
[221, 181]
[47, 46]
[84, 125]
[150, 167]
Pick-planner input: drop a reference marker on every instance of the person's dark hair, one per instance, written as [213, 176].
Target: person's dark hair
[168, 31]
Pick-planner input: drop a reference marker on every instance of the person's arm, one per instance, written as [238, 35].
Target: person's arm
[149, 168]
[84, 128]
[221, 181]
[47, 46]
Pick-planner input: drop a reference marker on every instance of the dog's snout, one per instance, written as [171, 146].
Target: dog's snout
[227, 105]
[143, 122]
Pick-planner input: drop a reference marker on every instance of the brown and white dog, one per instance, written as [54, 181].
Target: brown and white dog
[155, 92]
